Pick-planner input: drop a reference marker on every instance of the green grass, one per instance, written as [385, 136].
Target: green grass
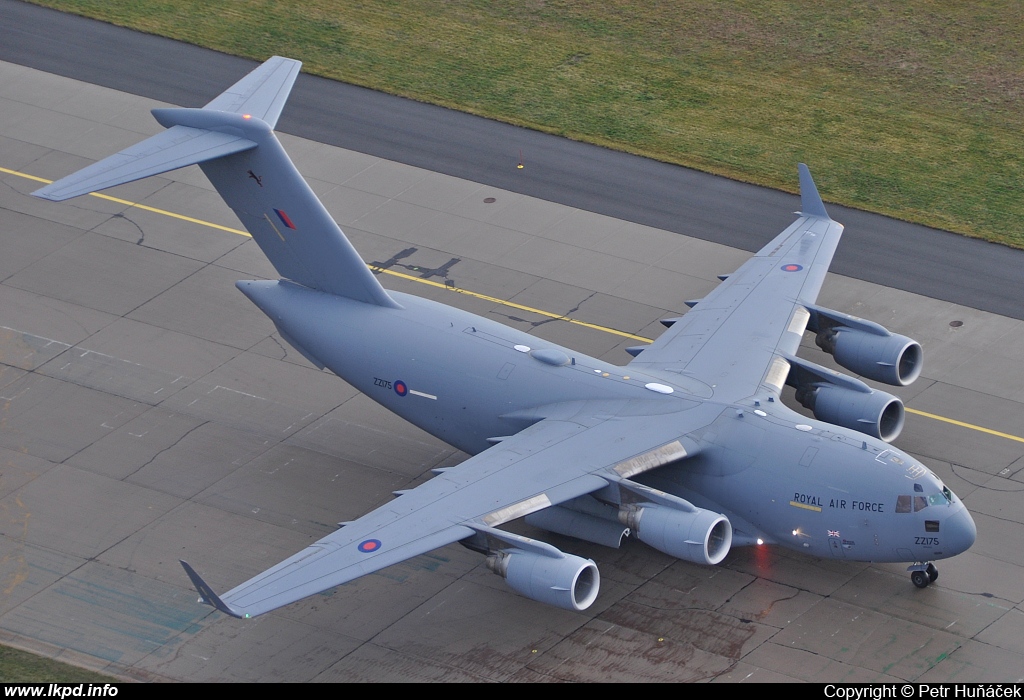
[911, 108]
[22, 667]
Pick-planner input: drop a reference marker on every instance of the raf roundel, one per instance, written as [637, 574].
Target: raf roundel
[367, 546]
[400, 388]
[792, 267]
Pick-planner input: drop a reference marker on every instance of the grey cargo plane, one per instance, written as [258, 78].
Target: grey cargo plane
[688, 447]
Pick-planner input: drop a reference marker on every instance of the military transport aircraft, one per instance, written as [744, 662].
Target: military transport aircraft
[687, 448]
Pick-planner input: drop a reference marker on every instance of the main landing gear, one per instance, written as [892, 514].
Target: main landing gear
[922, 575]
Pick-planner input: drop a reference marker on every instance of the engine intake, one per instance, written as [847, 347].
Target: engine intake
[567, 582]
[699, 536]
[893, 359]
[865, 347]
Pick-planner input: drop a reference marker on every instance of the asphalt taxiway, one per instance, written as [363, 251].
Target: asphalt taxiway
[149, 413]
[888, 252]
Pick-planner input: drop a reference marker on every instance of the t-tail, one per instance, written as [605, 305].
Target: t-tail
[233, 141]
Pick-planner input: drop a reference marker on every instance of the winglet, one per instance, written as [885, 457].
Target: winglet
[810, 200]
[207, 594]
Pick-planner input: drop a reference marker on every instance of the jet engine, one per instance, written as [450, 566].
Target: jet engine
[699, 536]
[874, 413]
[842, 400]
[568, 582]
[866, 348]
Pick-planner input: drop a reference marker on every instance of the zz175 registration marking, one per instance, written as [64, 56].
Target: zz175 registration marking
[377, 381]
[927, 541]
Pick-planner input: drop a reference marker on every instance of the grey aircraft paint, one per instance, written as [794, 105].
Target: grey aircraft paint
[688, 447]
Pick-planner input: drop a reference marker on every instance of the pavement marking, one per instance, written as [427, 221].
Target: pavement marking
[164, 212]
[965, 425]
[512, 304]
[393, 273]
[476, 295]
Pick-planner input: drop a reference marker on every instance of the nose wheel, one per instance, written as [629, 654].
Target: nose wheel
[922, 575]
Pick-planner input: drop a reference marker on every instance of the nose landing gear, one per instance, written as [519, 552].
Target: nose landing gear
[923, 574]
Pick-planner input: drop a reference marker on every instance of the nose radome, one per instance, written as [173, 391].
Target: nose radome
[960, 533]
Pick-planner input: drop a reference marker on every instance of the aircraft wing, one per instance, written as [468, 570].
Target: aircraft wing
[736, 338]
[555, 460]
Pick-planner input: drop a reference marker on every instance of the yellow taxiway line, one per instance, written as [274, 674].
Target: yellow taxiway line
[970, 426]
[393, 273]
[476, 295]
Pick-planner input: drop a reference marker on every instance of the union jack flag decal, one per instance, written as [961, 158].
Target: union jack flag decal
[285, 219]
[833, 533]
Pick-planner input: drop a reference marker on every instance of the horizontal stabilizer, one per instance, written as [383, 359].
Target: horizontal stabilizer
[263, 93]
[172, 149]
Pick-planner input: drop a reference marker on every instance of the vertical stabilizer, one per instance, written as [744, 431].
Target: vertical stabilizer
[233, 141]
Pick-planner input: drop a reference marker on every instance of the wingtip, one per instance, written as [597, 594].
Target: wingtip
[206, 593]
[810, 200]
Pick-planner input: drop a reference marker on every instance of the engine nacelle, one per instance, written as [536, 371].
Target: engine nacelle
[699, 536]
[582, 526]
[568, 582]
[874, 413]
[893, 359]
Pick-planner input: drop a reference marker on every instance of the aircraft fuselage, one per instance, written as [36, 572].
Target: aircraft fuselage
[779, 476]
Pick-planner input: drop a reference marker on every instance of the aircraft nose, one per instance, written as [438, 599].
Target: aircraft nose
[960, 532]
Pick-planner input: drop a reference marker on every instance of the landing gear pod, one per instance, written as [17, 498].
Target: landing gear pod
[701, 536]
[568, 582]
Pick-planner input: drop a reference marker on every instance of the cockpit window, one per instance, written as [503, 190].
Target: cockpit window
[915, 504]
[947, 493]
